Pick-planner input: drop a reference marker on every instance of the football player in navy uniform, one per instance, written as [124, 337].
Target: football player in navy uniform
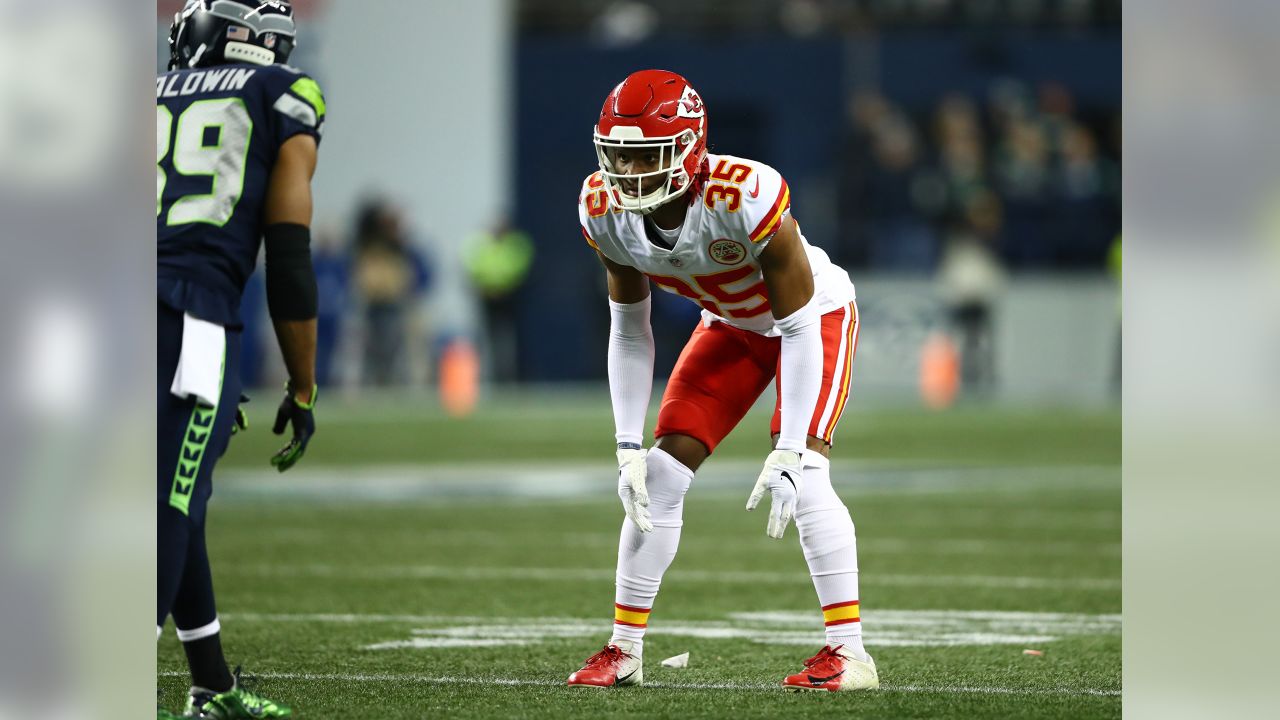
[237, 132]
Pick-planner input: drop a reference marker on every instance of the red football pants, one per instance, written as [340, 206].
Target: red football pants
[722, 371]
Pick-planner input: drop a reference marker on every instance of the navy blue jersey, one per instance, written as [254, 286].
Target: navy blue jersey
[218, 131]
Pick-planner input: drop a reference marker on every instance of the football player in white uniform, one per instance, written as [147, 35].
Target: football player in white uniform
[718, 230]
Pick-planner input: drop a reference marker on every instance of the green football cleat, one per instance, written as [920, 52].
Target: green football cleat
[238, 703]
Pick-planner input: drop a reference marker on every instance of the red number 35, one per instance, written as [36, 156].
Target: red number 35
[729, 176]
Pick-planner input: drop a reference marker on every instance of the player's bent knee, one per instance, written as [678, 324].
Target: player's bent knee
[685, 449]
[667, 481]
[826, 532]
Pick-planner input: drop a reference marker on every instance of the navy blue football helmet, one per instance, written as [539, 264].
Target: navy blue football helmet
[215, 32]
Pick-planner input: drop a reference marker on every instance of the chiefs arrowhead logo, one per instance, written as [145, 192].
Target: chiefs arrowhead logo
[727, 252]
[690, 105]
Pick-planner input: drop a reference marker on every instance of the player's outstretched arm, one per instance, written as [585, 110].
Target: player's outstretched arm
[789, 280]
[630, 382]
[291, 290]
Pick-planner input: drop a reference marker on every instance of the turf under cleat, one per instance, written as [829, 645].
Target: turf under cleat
[238, 703]
[611, 667]
[832, 670]
[162, 714]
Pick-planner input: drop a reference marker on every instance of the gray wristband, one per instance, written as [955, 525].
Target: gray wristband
[630, 446]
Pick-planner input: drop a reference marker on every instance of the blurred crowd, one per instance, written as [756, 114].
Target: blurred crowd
[975, 187]
[625, 22]
[376, 325]
[964, 187]
[371, 324]
[1019, 180]
[1020, 175]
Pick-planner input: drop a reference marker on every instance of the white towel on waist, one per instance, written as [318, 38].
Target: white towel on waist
[199, 373]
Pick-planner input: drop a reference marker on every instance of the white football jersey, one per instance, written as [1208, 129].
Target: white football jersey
[714, 260]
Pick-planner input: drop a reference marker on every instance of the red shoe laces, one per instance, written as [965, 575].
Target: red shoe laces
[826, 653]
[610, 653]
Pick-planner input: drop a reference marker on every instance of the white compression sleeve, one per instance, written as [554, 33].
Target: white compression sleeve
[800, 377]
[630, 368]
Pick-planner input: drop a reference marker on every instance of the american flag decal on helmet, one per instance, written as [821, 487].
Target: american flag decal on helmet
[238, 32]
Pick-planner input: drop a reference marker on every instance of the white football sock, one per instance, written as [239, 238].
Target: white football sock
[831, 549]
[644, 557]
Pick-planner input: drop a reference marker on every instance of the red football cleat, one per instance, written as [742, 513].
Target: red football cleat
[611, 667]
[832, 670]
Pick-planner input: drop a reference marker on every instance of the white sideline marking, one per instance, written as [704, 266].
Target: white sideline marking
[762, 637]
[577, 480]
[887, 628]
[1104, 623]
[748, 577]
[454, 680]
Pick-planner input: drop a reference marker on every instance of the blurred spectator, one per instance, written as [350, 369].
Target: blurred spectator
[961, 160]
[866, 111]
[388, 274]
[1057, 108]
[970, 277]
[802, 18]
[498, 262]
[1081, 214]
[624, 23]
[1023, 178]
[333, 270]
[900, 236]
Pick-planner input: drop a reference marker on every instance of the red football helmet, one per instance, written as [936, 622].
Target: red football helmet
[652, 110]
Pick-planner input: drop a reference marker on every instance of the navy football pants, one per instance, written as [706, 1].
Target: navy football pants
[190, 439]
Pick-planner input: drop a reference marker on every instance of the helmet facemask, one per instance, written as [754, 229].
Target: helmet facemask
[669, 181]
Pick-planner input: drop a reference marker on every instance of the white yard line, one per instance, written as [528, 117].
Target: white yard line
[887, 628]
[457, 680]
[577, 480]
[741, 577]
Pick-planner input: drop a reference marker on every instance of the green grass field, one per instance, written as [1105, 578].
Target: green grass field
[415, 566]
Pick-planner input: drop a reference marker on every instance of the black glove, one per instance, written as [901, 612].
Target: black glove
[294, 413]
[242, 421]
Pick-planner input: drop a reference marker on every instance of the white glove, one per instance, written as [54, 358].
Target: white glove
[631, 488]
[781, 478]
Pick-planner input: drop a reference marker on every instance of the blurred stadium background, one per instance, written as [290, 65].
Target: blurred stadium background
[959, 158]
